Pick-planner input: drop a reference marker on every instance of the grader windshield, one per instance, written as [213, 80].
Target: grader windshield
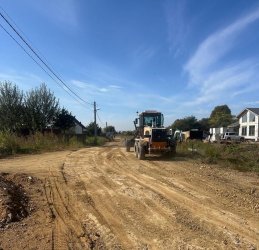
[151, 119]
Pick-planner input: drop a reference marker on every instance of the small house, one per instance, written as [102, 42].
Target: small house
[77, 129]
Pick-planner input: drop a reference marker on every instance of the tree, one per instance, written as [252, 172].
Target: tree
[90, 129]
[110, 129]
[221, 116]
[41, 108]
[64, 120]
[203, 124]
[11, 107]
[187, 123]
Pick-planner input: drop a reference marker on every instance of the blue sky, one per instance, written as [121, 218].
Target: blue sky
[180, 57]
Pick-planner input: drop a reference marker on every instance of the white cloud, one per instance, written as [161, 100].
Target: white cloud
[176, 25]
[64, 12]
[115, 87]
[216, 46]
[103, 90]
[94, 88]
[25, 81]
[142, 55]
[252, 103]
[216, 78]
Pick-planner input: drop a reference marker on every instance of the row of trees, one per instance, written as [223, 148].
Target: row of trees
[220, 117]
[90, 129]
[34, 110]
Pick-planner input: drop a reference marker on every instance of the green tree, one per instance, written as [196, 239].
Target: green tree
[41, 108]
[187, 123]
[90, 129]
[221, 116]
[64, 120]
[110, 129]
[11, 107]
[203, 124]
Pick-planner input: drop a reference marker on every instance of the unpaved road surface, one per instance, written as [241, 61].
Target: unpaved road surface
[104, 198]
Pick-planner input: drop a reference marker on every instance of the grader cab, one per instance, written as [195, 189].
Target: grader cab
[151, 137]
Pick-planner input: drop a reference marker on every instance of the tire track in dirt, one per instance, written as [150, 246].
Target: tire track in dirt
[67, 231]
[191, 201]
[103, 173]
[109, 235]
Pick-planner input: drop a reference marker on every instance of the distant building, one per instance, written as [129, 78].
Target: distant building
[249, 123]
[216, 133]
[77, 129]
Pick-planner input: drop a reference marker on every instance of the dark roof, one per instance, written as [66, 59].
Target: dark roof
[254, 110]
[79, 123]
[151, 112]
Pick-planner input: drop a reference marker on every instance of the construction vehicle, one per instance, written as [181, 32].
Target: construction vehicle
[151, 136]
[193, 134]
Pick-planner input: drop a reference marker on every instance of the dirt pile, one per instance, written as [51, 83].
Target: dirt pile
[14, 202]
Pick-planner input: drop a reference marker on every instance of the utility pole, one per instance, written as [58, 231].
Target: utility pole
[95, 125]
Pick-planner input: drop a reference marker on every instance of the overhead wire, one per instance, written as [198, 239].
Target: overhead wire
[38, 63]
[99, 119]
[42, 61]
[15, 24]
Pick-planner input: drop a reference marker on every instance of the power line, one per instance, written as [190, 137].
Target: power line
[46, 65]
[38, 63]
[99, 119]
[6, 14]
[15, 24]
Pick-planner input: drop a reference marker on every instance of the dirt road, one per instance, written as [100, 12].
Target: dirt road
[104, 198]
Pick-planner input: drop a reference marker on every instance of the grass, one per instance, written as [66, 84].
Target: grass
[11, 144]
[243, 157]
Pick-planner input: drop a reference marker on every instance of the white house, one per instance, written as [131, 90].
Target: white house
[249, 121]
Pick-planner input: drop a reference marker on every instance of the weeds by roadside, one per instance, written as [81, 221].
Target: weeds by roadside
[243, 157]
[12, 144]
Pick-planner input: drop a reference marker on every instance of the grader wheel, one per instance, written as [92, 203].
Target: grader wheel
[141, 152]
[136, 150]
[127, 145]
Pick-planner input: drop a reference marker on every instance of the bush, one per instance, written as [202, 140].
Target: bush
[212, 153]
[38, 142]
[90, 141]
[8, 143]
[243, 157]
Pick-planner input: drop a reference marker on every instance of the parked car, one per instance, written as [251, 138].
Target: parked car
[232, 136]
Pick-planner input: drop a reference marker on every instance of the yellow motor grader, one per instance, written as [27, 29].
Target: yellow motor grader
[151, 137]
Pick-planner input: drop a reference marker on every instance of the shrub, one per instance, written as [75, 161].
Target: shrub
[243, 157]
[90, 141]
[8, 143]
[38, 142]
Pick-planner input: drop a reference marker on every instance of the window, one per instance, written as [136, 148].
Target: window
[153, 120]
[244, 118]
[251, 130]
[251, 117]
[243, 130]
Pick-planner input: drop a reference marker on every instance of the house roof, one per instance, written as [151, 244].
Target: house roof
[79, 123]
[233, 125]
[254, 110]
